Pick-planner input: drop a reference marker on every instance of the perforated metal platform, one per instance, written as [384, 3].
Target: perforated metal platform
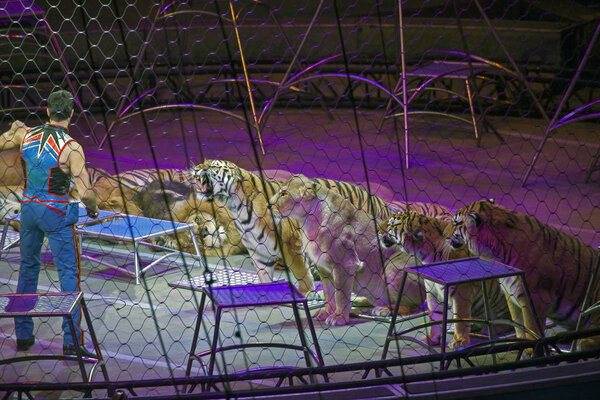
[12, 239]
[216, 278]
[38, 305]
[231, 277]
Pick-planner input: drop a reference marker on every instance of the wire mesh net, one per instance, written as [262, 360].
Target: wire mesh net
[329, 144]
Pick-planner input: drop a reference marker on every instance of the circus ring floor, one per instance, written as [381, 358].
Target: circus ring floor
[146, 330]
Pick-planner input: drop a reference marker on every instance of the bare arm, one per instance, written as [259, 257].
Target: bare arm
[74, 160]
[12, 138]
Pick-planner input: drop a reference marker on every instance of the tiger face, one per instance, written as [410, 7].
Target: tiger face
[389, 231]
[215, 178]
[418, 235]
[293, 197]
[467, 226]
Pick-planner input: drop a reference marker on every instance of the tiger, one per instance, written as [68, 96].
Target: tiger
[557, 266]
[140, 192]
[246, 196]
[371, 204]
[423, 237]
[359, 197]
[211, 221]
[143, 177]
[113, 195]
[341, 241]
[377, 208]
[11, 170]
[10, 204]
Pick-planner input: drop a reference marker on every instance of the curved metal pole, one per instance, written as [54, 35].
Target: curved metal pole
[294, 59]
[560, 106]
[180, 106]
[345, 76]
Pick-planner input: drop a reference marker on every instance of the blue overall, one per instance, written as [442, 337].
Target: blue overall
[45, 211]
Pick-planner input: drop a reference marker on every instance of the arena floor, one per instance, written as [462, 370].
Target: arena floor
[145, 331]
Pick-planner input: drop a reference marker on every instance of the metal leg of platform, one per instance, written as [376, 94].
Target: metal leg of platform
[588, 293]
[225, 297]
[56, 305]
[594, 166]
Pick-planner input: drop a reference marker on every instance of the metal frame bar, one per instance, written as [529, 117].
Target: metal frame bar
[552, 125]
[79, 299]
[586, 299]
[403, 79]
[309, 354]
[511, 272]
[137, 241]
[524, 367]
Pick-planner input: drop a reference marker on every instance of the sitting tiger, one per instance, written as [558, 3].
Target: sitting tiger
[341, 240]
[423, 237]
[557, 266]
[246, 195]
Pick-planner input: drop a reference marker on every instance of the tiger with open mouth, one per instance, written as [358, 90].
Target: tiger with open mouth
[246, 195]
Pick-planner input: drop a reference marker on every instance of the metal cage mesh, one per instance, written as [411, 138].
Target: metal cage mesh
[429, 106]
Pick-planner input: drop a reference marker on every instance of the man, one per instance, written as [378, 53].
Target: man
[51, 159]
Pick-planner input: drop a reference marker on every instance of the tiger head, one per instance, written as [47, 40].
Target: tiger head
[418, 235]
[481, 226]
[388, 231]
[294, 197]
[215, 178]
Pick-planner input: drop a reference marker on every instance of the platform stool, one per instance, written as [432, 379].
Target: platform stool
[224, 297]
[451, 273]
[53, 305]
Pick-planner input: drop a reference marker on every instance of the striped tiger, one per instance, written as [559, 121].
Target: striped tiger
[140, 193]
[225, 180]
[141, 177]
[557, 266]
[423, 237]
[430, 209]
[371, 204]
[246, 195]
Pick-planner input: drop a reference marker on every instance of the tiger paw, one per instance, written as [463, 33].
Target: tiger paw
[381, 311]
[587, 344]
[311, 295]
[321, 315]
[458, 342]
[337, 320]
[432, 339]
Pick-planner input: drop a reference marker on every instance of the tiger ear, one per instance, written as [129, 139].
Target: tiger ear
[237, 175]
[315, 186]
[476, 219]
[417, 235]
[492, 200]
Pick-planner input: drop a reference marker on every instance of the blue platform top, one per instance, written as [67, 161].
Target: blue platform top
[133, 227]
[84, 219]
[258, 294]
[464, 270]
[36, 304]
